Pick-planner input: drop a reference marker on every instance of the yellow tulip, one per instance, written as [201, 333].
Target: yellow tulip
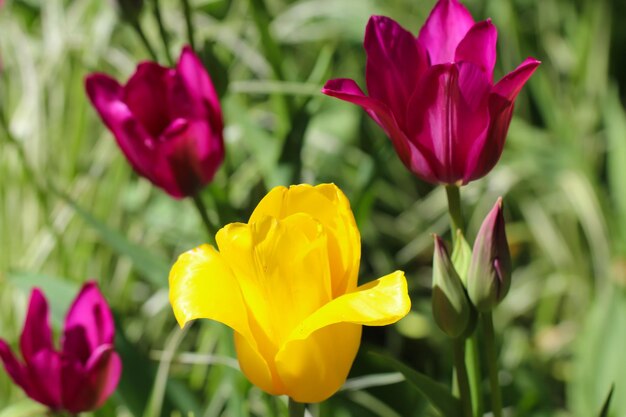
[286, 283]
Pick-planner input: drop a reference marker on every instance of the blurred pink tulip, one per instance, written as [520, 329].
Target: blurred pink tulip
[85, 372]
[434, 95]
[167, 121]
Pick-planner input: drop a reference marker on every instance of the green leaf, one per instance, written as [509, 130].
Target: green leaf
[607, 403]
[461, 256]
[438, 394]
[153, 267]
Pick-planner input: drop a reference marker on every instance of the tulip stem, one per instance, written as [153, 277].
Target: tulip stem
[472, 360]
[162, 31]
[492, 363]
[296, 409]
[189, 23]
[146, 43]
[203, 214]
[454, 209]
[458, 346]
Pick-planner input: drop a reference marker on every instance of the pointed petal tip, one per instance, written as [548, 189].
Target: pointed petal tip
[339, 85]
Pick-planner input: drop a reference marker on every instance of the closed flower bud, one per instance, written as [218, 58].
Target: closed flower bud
[452, 310]
[489, 276]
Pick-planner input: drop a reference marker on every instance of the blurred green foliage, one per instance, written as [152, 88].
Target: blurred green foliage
[71, 208]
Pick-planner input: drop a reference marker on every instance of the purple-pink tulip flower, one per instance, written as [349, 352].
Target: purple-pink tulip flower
[167, 121]
[85, 372]
[434, 95]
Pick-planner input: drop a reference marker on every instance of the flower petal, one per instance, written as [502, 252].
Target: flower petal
[147, 96]
[329, 205]
[256, 368]
[511, 84]
[106, 95]
[44, 374]
[377, 303]
[410, 154]
[37, 334]
[485, 154]
[203, 286]
[189, 154]
[282, 269]
[315, 368]
[87, 386]
[197, 83]
[479, 46]
[453, 115]
[395, 62]
[90, 319]
[447, 25]
[14, 368]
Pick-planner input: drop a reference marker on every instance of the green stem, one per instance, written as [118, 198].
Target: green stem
[197, 200]
[458, 346]
[454, 209]
[189, 23]
[296, 409]
[472, 360]
[135, 24]
[492, 363]
[162, 31]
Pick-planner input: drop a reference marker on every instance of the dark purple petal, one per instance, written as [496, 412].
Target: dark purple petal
[147, 96]
[106, 95]
[449, 114]
[511, 84]
[44, 374]
[447, 25]
[484, 155]
[479, 46]
[14, 368]
[37, 334]
[87, 386]
[75, 394]
[104, 370]
[88, 321]
[197, 84]
[395, 63]
[190, 153]
[410, 154]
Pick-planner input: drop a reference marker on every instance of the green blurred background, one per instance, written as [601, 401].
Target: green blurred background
[72, 209]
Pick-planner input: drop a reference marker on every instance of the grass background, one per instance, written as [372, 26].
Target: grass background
[71, 208]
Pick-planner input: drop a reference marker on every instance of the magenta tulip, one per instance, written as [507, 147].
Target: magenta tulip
[167, 121]
[85, 372]
[434, 95]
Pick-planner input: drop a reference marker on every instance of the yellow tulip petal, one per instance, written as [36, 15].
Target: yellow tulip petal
[327, 204]
[377, 303]
[203, 286]
[314, 369]
[282, 268]
[255, 367]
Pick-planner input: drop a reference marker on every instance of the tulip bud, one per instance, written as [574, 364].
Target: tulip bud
[452, 309]
[461, 256]
[489, 276]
